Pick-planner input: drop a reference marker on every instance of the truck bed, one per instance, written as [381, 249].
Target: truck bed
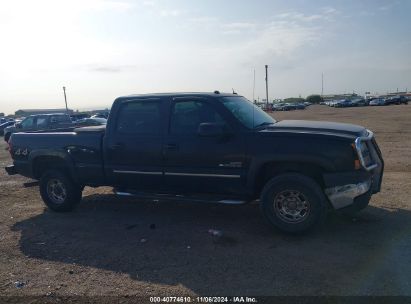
[82, 147]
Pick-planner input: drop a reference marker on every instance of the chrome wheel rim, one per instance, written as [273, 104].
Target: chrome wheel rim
[291, 206]
[56, 191]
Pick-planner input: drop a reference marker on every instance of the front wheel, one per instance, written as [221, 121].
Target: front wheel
[293, 203]
[59, 193]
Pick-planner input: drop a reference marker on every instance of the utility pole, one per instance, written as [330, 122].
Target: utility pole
[65, 98]
[266, 83]
[322, 84]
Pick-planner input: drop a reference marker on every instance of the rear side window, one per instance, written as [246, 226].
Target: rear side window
[139, 117]
[60, 118]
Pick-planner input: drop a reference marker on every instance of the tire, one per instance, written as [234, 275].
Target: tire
[58, 192]
[293, 203]
[361, 202]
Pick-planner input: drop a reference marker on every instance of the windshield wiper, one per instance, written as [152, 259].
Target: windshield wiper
[264, 124]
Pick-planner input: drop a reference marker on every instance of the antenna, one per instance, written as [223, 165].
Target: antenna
[253, 115]
[254, 86]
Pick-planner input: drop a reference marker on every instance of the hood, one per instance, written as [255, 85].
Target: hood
[319, 127]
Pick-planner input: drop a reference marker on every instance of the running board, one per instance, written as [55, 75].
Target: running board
[170, 197]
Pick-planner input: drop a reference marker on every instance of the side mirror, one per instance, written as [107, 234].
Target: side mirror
[19, 125]
[211, 129]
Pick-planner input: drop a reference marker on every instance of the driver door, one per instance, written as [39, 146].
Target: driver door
[196, 164]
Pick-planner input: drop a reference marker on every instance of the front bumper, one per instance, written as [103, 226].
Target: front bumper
[343, 196]
[356, 187]
[11, 170]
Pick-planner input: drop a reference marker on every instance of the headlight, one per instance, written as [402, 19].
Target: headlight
[363, 151]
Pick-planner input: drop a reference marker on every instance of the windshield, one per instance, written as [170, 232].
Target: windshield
[247, 113]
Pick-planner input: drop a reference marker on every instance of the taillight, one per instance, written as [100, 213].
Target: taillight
[357, 164]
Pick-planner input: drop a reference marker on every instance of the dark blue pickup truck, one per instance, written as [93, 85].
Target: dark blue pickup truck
[207, 147]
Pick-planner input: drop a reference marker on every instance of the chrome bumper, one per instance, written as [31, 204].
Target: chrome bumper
[343, 196]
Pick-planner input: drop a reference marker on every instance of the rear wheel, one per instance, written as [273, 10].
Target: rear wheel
[293, 202]
[59, 193]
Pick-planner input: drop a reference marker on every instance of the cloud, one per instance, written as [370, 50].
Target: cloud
[170, 12]
[238, 27]
[325, 14]
[149, 3]
[385, 7]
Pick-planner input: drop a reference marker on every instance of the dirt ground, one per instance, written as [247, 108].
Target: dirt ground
[113, 246]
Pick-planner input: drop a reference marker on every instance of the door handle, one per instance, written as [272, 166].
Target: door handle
[171, 146]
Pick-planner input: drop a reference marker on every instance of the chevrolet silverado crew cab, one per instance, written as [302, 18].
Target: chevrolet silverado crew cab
[207, 147]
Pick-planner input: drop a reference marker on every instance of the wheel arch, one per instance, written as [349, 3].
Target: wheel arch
[42, 162]
[271, 169]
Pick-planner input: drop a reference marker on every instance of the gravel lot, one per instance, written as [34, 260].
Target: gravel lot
[112, 246]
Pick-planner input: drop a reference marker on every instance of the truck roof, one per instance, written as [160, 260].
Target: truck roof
[48, 114]
[215, 94]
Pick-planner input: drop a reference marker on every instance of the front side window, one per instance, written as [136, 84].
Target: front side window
[139, 117]
[27, 123]
[247, 113]
[187, 115]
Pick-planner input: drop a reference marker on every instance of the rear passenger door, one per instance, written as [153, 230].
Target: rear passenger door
[134, 145]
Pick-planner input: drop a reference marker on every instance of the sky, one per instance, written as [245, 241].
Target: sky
[102, 49]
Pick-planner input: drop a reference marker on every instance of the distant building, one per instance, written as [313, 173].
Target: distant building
[27, 112]
[338, 96]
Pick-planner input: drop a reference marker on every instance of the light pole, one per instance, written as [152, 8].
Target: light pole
[65, 98]
[322, 84]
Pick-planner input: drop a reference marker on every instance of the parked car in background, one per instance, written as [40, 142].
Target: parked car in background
[344, 103]
[40, 122]
[100, 115]
[300, 106]
[5, 125]
[91, 121]
[291, 106]
[78, 116]
[396, 100]
[359, 102]
[378, 102]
